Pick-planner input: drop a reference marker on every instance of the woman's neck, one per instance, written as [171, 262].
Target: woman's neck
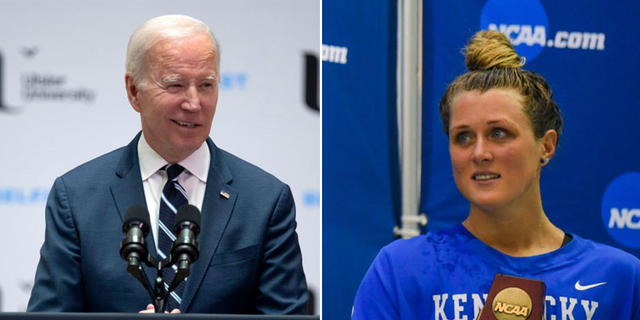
[518, 231]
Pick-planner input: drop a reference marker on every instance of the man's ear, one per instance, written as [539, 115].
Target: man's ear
[132, 91]
[549, 141]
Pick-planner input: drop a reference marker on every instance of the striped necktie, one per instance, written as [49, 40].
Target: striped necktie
[173, 197]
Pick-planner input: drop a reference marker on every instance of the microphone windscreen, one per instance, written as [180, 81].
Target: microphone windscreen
[189, 213]
[137, 213]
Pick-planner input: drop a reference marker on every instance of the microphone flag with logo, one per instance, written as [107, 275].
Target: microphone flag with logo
[514, 298]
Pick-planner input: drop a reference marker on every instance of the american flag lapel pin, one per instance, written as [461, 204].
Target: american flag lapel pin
[224, 194]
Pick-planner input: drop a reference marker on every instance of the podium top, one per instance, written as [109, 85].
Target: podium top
[120, 316]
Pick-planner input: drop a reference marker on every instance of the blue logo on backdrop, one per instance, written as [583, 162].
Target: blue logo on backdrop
[21, 196]
[233, 81]
[523, 21]
[311, 198]
[621, 209]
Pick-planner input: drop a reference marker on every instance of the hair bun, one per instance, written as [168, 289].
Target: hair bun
[490, 49]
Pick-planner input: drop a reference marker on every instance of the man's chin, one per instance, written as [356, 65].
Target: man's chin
[182, 150]
[189, 142]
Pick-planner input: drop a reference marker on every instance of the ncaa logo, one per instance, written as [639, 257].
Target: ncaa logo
[523, 21]
[621, 209]
[526, 24]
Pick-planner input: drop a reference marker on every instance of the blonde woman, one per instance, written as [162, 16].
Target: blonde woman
[503, 128]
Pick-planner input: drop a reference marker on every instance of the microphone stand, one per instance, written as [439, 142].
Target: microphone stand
[159, 293]
[185, 249]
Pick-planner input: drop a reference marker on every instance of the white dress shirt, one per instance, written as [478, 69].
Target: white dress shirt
[193, 179]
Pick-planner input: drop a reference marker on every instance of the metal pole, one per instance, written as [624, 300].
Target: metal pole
[409, 104]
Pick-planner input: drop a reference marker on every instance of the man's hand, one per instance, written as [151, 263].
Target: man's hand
[151, 309]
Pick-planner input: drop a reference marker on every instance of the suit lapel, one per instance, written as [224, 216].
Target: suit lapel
[216, 212]
[128, 191]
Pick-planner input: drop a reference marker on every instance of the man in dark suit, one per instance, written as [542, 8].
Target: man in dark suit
[250, 260]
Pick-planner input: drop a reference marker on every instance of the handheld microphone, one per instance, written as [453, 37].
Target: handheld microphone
[135, 228]
[514, 298]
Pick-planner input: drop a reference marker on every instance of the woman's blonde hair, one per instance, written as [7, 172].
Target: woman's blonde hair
[493, 63]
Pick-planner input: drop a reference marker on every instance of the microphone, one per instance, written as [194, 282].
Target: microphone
[186, 249]
[133, 248]
[514, 298]
[187, 228]
[135, 228]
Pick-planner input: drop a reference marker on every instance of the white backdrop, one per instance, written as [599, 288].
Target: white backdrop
[63, 102]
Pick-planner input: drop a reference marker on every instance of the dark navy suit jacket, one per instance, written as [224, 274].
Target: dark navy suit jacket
[250, 260]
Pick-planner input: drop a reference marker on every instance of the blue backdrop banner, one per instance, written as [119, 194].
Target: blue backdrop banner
[360, 166]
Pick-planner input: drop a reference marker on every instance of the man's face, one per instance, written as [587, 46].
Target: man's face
[178, 103]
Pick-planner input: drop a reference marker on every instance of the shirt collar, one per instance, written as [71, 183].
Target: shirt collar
[150, 161]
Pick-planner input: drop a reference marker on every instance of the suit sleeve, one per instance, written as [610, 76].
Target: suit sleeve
[282, 284]
[58, 282]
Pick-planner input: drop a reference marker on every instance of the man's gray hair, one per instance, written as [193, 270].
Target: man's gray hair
[159, 28]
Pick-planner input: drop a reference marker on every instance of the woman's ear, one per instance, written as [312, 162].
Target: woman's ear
[549, 141]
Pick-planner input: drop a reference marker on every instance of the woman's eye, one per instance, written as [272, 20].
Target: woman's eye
[498, 134]
[462, 138]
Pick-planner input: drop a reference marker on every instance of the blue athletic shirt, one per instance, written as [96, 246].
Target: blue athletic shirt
[446, 275]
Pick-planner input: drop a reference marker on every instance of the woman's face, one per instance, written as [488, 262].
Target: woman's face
[494, 153]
